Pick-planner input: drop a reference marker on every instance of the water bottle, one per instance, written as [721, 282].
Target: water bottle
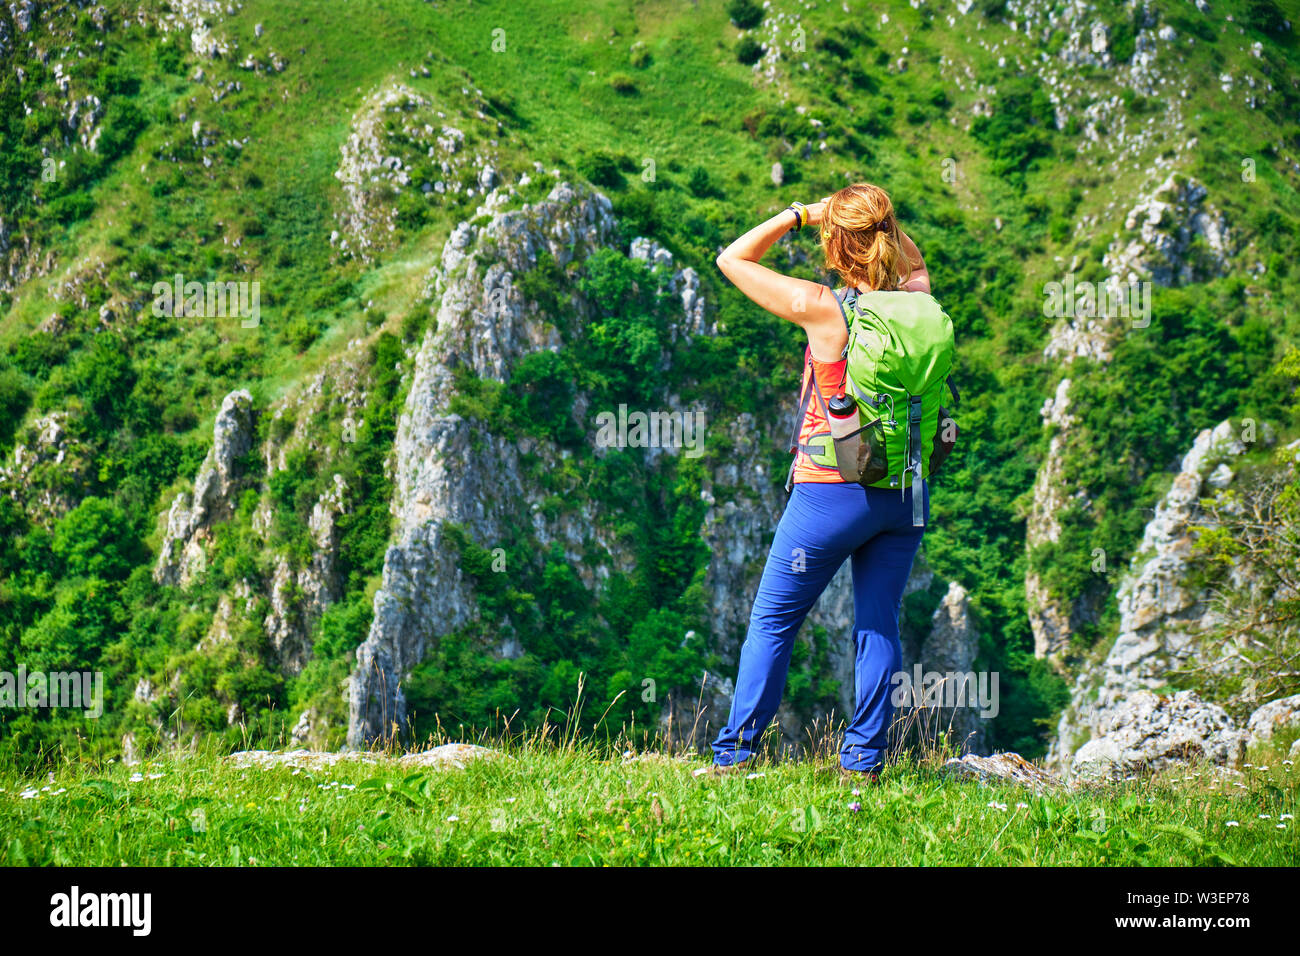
[843, 415]
[845, 431]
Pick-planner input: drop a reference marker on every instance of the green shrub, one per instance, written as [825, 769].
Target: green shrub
[700, 183]
[540, 395]
[749, 51]
[301, 333]
[622, 84]
[1016, 135]
[95, 539]
[15, 397]
[123, 122]
[601, 169]
[744, 14]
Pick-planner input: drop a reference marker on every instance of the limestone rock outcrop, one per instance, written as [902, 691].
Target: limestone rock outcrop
[1148, 732]
[481, 325]
[1276, 715]
[1161, 615]
[191, 517]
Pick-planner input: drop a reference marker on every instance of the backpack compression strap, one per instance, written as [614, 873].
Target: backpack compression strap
[914, 459]
[816, 450]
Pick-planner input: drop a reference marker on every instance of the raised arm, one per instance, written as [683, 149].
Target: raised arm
[919, 279]
[809, 305]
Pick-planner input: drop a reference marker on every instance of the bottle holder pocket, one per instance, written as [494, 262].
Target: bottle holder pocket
[861, 454]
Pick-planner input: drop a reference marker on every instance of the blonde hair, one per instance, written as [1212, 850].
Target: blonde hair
[861, 240]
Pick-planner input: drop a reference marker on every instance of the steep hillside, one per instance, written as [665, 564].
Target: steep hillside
[371, 494]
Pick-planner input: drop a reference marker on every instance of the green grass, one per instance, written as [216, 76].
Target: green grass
[542, 804]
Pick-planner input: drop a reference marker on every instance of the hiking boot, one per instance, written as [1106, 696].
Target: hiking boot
[719, 770]
[857, 778]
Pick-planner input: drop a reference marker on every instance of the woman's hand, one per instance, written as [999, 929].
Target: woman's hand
[816, 212]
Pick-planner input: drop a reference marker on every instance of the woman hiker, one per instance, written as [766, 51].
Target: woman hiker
[827, 519]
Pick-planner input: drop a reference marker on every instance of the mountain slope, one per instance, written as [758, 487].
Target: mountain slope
[338, 154]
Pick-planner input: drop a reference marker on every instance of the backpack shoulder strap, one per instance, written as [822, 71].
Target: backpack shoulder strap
[847, 299]
[806, 388]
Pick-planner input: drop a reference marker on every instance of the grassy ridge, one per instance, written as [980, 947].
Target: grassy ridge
[545, 805]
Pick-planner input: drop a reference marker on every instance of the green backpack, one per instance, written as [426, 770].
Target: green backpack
[900, 355]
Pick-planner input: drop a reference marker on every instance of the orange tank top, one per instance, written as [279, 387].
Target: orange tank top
[831, 378]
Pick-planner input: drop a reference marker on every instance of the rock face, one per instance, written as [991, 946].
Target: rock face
[288, 602]
[298, 599]
[48, 469]
[949, 650]
[481, 325]
[1147, 732]
[1159, 614]
[1274, 716]
[1052, 623]
[191, 517]
[1167, 223]
[1159, 247]
[396, 133]
[684, 283]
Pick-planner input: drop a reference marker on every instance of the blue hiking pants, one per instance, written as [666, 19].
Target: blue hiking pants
[823, 525]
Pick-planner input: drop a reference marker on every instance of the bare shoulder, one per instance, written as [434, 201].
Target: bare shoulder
[827, 326]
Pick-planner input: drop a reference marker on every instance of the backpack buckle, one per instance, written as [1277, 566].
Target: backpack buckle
[885, 397]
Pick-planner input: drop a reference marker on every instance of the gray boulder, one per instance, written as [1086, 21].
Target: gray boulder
[1003, 768]
[1148, 732]
[1274, 716]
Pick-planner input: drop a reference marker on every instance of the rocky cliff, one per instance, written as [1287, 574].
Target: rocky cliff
[452, 470]
[448, 469]
[1124, 714]
[1156, 248]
